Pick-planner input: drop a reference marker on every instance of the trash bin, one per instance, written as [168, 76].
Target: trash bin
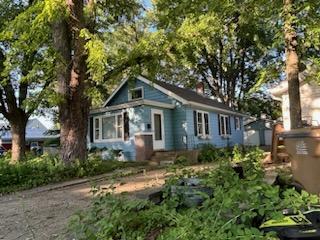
[303, 147]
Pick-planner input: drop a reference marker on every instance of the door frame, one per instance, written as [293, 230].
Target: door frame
[158, 144]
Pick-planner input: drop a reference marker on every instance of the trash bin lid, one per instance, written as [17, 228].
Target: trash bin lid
[301, 132]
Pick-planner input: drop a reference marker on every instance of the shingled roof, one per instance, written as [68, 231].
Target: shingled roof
[193, 96]
[185, 95]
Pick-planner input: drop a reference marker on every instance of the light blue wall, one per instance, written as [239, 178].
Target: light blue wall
[216, 140]
[150, 93]
[180, 126]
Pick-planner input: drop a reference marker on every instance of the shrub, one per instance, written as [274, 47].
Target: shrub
[48, 169]
[210, 153]
[55, 142]
[232, 213]
[181, 160]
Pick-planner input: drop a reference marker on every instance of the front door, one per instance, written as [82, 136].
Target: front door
[158, 129]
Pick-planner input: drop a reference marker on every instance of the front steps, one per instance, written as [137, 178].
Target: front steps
[163, 157]
[168, 157]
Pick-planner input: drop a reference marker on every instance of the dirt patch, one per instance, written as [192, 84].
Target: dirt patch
[44, 215]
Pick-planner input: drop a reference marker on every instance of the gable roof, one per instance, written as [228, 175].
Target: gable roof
[34, 130]
[193, 96]
[184, 95]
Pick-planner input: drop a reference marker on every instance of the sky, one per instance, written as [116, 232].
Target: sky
[147, 3]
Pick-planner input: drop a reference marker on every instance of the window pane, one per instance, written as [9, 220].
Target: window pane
[200, 123]
[119, 126]
[237, 120]
[108, 128]
[222, 124]
[227, 125]
[96, 127]
[206, 123]
[136, 93]
[157, 127]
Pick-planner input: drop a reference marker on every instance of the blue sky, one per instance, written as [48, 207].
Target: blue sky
[147, 3]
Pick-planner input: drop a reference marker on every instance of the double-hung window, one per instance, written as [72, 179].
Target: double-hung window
[224, 125]
[97, 129]
[237, 123]
[109, 128]
[203, 128]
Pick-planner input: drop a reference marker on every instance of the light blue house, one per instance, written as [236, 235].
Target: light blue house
[143, 116]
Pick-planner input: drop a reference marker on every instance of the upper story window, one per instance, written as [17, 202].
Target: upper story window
[224, 125]
[136, 93]
[237, 124]
[202, 123]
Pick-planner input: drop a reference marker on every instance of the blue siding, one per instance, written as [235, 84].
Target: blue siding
[215, 139]
[150, 93]
[180, 126]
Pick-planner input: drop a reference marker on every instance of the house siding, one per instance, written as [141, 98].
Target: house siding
[310, 105]
[236, 136]
[150, 93]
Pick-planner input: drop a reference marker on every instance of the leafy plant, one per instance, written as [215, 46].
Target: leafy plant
[235, 211]
[48, 169]
[210, 153]
[181, 160]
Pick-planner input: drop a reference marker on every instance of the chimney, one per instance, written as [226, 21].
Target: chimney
[200, 88]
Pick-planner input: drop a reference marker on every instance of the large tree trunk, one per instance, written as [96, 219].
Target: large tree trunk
[18, 132]
[72, 85]
[292, 65]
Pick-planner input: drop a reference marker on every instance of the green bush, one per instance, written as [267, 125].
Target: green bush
[47, 169]
[52, 142]
[236, 154]
[231, 214]
[210, 153]
[181, 160]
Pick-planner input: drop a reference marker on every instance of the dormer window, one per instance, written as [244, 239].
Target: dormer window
[136, 93]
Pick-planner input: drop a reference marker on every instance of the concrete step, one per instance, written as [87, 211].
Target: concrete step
[165, 154]
[166, 163]
[163, 158]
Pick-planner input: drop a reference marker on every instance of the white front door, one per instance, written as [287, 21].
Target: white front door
[158, 129]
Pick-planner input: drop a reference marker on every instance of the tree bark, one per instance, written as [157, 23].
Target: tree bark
[18, 132]
[292, 65]
[72, 85]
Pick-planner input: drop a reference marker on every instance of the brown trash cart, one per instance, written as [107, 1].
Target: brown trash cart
[303, 147]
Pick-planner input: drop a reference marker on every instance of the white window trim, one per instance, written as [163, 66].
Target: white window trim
[133, 89]
[203, 134]
[238, 127]
[226, 134]
[101, 140]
